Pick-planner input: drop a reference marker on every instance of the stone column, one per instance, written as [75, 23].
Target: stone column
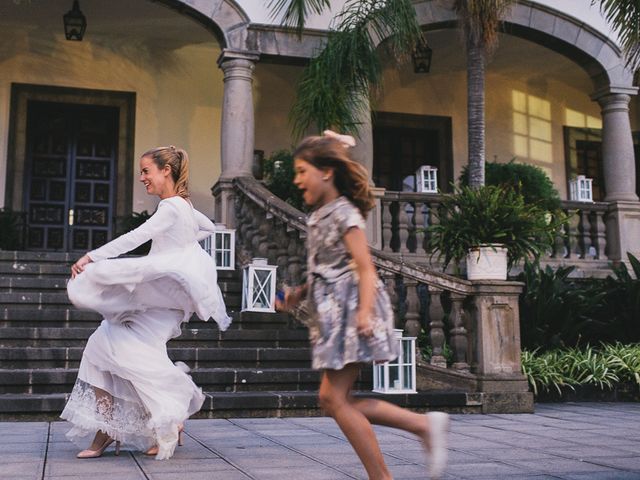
[623, 218]
[617, 148]
[363, 151]
[237, 131]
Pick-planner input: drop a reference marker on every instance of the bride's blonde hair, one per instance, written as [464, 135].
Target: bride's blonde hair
[178, 161]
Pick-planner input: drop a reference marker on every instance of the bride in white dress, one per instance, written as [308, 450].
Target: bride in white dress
[127, 388]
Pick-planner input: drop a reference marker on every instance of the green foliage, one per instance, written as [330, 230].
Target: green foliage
[490, 215]
[554, 310]
[528, 180]
[278, 174]
[335, 88]
[545, 371]
[602, 367]
[10, 229]
[624, 17]
[621, 303]
[131, 222]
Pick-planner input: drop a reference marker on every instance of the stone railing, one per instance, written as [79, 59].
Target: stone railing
[405, 217]
[478, 321]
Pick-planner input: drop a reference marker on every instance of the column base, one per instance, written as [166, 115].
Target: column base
[224, 202]
[623, 230]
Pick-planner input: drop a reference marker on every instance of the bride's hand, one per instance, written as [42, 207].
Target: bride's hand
[78, 267]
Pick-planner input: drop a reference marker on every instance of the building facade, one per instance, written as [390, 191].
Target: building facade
[218, 77]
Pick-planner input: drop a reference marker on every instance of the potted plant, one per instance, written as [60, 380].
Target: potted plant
[490, 226]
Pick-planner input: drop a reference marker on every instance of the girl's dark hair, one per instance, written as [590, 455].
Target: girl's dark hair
[178, 161]
[350, 178]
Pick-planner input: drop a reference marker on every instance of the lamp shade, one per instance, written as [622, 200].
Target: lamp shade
[421, 57]
[75, 23]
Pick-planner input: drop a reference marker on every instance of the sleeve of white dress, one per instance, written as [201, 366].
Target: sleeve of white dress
[205, 226]
[160, 221]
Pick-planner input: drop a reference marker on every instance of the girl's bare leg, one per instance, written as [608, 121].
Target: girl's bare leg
[335, 398]
[384, 413]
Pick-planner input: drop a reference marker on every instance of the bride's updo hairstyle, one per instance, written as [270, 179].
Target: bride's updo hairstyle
[178, 161]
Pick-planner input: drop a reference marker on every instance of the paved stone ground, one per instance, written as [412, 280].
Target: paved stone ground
[577, 441]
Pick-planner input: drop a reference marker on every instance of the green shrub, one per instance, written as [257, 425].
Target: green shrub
[278, 175]
[528, 180]
[555, 311]
[490, 215]
[10, 229]
[603, 367]
[621, 303]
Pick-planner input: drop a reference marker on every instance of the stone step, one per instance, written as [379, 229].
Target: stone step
[191, 337]
[252, 404]
[21, 256]
[61, 380]
[31, 315]
[11, 284]
[35, 269]
[69, 357]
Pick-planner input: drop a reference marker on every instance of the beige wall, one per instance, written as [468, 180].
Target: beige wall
[526, 108]
[178, 93]
[274, 92]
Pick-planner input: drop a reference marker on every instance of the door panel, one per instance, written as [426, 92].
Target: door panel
[70, 177]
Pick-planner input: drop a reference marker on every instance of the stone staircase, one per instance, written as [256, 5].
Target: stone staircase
[259, 367]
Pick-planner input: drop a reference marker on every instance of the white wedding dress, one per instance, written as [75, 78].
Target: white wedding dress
[143, 301]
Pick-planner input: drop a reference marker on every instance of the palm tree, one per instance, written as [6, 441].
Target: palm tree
[338, 85]
[480, 20]
[624, 18]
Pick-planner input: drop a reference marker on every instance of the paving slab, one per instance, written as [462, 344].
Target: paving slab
[571, 441]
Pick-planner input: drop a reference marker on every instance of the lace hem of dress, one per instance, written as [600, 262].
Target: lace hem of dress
[123, 420]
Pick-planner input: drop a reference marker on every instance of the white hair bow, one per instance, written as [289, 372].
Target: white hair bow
[346, 140]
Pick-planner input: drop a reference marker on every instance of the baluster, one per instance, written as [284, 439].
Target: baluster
[294, 260]
[387, 225]
[412, 317]
[389, 280]
[458, 333]
[403, 227]
[436, 328]
[558, 249]
[600, 233]
[420, 226]
[573, 236]
[281, 250]
[585, 234]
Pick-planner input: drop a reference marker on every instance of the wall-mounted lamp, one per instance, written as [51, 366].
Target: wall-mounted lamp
[421, 57]
[75, 23]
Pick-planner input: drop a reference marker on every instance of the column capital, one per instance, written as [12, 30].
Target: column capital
[613, 90]
[231, 54]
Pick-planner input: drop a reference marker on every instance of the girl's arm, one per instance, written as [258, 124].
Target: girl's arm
[356, 243]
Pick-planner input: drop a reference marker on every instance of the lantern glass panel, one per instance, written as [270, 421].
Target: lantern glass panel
[262, 288]
[408, 372]
[394, 377]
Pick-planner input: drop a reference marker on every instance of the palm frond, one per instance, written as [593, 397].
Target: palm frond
[294, 13]
[480, 20]
[335, 88]
[624, 17]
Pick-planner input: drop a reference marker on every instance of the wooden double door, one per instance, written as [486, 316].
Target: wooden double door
[69, 176]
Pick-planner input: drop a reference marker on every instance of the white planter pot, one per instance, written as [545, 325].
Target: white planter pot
[488, 262]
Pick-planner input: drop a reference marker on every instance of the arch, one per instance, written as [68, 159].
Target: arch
[224, 18]
[595, 53]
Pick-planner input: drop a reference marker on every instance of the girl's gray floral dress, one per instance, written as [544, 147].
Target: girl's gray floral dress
[333, 294]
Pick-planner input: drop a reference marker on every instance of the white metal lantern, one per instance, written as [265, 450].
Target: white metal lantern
[221, 245]
[581, 189]
[259, 286]
[427, 179]
[398, 376]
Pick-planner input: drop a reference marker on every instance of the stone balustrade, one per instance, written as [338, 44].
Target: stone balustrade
[406, 216]
[472, 327]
